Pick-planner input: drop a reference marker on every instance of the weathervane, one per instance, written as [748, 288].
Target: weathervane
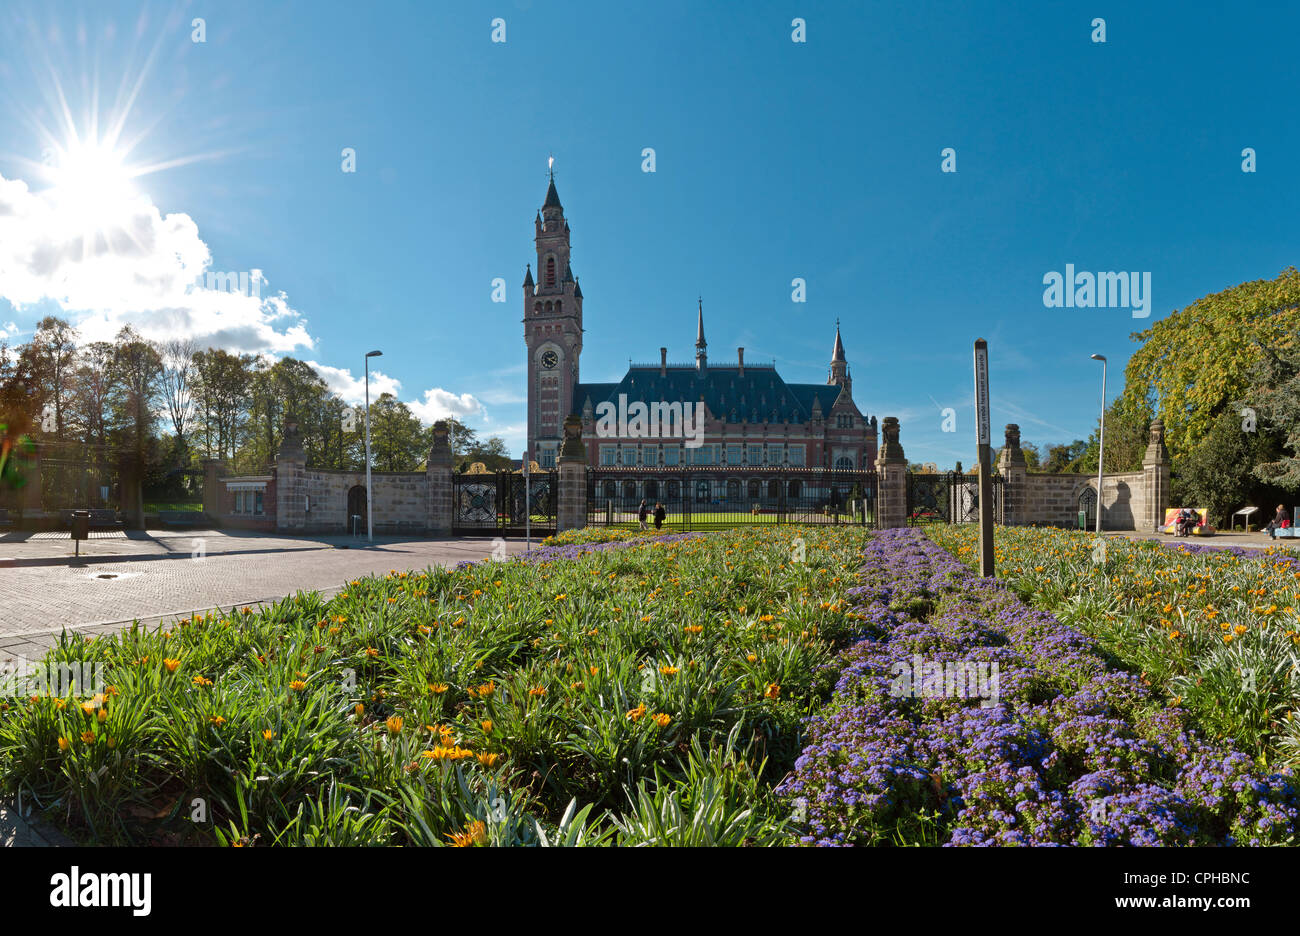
[550, 165]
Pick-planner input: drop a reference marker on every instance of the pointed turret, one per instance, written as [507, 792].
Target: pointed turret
[839, 375]
[528, 278]
[701, 346]
[552, 196]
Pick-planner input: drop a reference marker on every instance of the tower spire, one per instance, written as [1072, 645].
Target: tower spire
[839, 363]
[701, 346]
[837, 355]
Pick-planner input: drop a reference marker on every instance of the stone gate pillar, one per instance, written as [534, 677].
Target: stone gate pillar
[891, 478]
[571, 511]
[1155, 479]
[132, 502]
[290, 482]
[213, 470]
[438, 472]
[1014, 471]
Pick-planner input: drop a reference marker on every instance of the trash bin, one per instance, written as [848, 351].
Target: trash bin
[80, 524]
[1083, 519]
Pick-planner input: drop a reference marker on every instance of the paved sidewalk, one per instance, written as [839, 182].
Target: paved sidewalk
[161, 575]
[1252, 540]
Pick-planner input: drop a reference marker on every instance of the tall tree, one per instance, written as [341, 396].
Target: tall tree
[136, 370]
[223, 392]
[397, 441]
[178, 375]
[52, 354]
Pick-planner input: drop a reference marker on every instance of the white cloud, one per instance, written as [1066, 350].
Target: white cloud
[137, 267]
[353, 389]
[440, 404]
[9, 330]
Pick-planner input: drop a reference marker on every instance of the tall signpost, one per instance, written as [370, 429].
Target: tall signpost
[984, 440]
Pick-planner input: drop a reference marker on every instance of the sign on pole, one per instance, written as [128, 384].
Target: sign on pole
[982, 392]
[984, 441]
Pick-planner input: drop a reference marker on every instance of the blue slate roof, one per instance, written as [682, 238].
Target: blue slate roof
[759, 396]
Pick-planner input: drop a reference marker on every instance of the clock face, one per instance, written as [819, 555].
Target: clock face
[550, 359]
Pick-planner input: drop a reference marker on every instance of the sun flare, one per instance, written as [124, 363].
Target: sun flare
[92, 186]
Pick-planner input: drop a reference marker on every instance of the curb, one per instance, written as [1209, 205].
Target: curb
[18, 831]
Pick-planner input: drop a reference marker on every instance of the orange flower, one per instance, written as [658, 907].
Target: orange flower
[475, 834]
[171, 664]
[438, 688]
[661, 720]
[773, 691]
[489, 760]
[394, 724]
[636, 713]
[297, 685]
[537, 691]
[268, 734]
[487, 725]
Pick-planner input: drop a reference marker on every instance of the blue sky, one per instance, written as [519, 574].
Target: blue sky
[774, 160]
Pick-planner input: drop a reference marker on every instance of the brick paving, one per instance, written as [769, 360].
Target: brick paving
[155, 576]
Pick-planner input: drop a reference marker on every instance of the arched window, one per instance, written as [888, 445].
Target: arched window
[548, 307]
[537, 307]
[702, 492]
[674, 490]
[844, 463]
[733, 491]
[774, 490]
[795, 488]
[550, 271]
[611, 489]
[559, 306]
[754, 489]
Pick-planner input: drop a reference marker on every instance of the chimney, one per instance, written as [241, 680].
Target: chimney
[663, 362]
[741, 353]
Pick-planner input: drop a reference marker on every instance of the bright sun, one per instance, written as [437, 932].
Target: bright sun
[92, 187]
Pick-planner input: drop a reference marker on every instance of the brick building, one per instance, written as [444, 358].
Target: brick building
[751, 417]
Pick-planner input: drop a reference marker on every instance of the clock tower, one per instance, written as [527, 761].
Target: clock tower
[552, 331]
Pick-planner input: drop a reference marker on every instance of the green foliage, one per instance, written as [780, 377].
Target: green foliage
[650, 694]
[1219, 473]
[1197, 360]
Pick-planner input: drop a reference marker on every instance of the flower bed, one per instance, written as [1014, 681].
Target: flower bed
[1214, 631]
[632, 692]
[1066, 751]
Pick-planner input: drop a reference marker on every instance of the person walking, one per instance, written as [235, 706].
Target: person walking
[660, 514]
[642, 513]
[1281, 521]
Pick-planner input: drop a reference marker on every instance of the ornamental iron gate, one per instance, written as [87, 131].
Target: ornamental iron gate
[698, 498]
[494, 504]
[948, 498]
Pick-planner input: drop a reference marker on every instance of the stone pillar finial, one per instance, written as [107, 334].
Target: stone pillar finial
[291, 442]
[1156, 453]
[440, 450]
[573, 446]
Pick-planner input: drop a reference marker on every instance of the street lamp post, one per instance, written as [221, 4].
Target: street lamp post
[1101, 439]
[370, 524]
